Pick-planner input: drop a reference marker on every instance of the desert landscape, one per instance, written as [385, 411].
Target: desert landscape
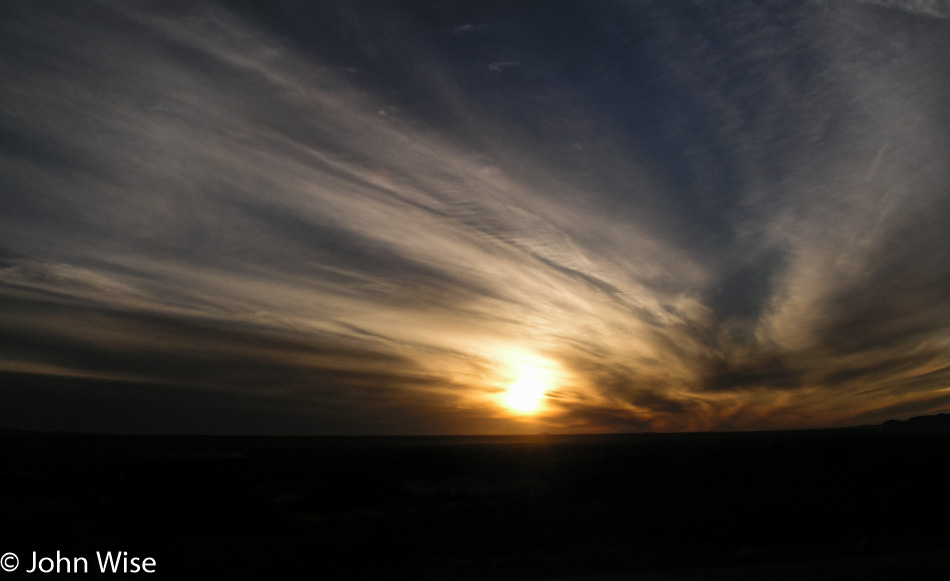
[859, 502]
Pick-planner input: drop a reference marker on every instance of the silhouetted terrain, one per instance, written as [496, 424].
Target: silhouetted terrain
[475, 507]
[939, 422]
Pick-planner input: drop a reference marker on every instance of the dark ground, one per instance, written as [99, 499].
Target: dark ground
[844, 504]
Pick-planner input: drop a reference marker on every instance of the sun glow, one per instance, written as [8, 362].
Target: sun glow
[529, 387]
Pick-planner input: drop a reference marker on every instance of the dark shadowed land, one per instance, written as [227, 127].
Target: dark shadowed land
[862, 503]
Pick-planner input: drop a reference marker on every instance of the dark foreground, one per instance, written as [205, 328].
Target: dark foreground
[848, 504]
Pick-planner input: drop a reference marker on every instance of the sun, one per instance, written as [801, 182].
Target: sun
[529, 388]
[525, 395]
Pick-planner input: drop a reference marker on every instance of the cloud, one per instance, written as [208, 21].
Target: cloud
[499, 66]
[933, 8]
[470, 29]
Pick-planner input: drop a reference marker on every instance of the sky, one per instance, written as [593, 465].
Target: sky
[478, 217]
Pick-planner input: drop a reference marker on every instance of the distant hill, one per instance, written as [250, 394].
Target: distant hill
[937, 423]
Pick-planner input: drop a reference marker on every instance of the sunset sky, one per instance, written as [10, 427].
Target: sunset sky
[473, 217]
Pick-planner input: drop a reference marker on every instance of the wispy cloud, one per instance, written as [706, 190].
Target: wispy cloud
[933, 8]
[500, 66]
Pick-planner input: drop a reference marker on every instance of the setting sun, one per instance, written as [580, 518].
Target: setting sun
[529, 387]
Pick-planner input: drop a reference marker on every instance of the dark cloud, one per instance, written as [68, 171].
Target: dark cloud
[587, 417]
[756, 372]
[470, 29]
[175, 348]
[102, 405]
